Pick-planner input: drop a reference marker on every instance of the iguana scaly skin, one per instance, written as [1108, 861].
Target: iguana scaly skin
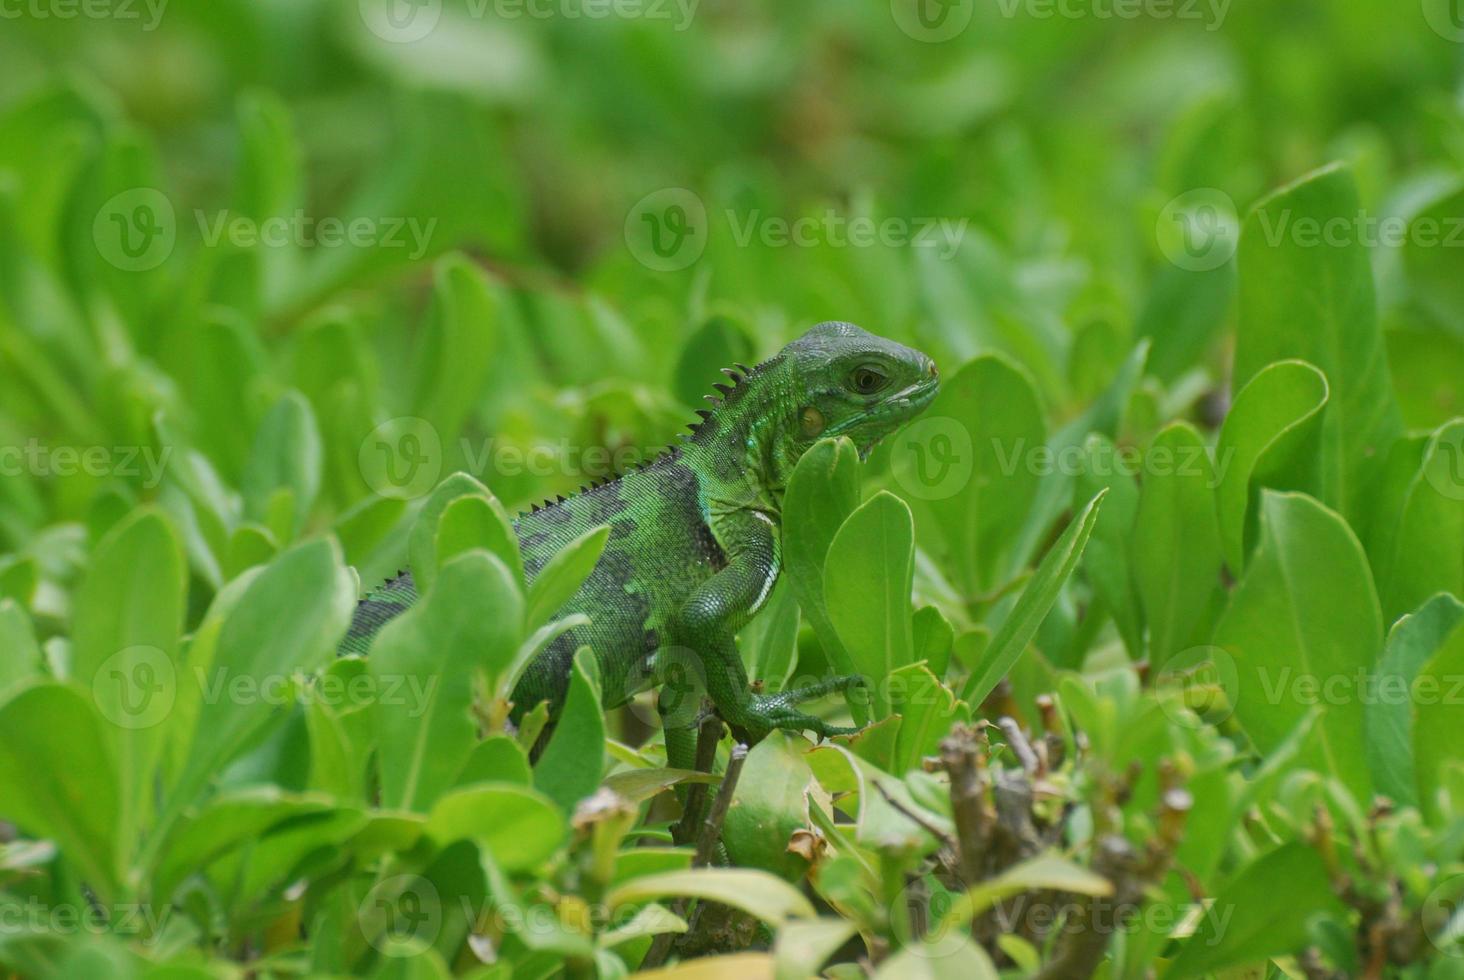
[694, 547]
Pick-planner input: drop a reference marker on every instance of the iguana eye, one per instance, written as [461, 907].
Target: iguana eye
[867, 380]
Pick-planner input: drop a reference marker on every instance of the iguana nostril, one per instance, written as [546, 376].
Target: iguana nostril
[932, 370]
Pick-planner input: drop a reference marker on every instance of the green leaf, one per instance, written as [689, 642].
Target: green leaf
[1438, 717]
[497, 759]
[927, 708]
[973, 462]
[61, 780]
[769, 805]
[757, 893]
[822, 492]
[1435, 273]
[463, 634]
[1176, 542]
[867, 580]
[1262, 913]
[227, 822]
[422, 541]
[1055, 493]
[1106, 559]
[475, 521]
[20, 655]
[718, 343]
[286, 623]
[770, 642]
[803, 947]
[286, 455]
[456, 351]
[1310, 296]
[1303, 621]
[955, 959]
[129, 611]
[1271, 439]
[520, 827]
[562, 576]
[1424, 551]
[639, 785]
[1020, 625]
[1045, 872]
[570, 768]
[1412, 641]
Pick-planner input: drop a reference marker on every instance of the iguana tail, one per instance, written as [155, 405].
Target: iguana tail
[381, 605]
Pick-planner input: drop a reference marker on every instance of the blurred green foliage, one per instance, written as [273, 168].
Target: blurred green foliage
[295, 293]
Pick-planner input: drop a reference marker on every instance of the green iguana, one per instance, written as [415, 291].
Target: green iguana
[694, 547]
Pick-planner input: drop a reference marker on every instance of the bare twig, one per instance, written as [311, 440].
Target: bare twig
[711, 831]
[706, 843]
[1017, 739]
[916, 818]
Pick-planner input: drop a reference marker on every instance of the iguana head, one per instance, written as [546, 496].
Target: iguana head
[835, 380]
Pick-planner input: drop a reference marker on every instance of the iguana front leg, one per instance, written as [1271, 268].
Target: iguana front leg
[710, 618]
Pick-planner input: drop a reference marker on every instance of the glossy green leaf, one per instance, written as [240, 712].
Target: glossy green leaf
[1262, 913]
[561, 577]
[1307, 293]
[457, 348]
[755, 892]
[20, 654]
[822, 492]
[284, 625]
[769, 805]
[432, 658]
[125, 650]
[61, 780]
[520, 827]
[1438, 704]
[570, 768]
[286, 454]
[867, 580]
[1176, 542]
[1106, 559]
[422, 541]
[1036, 600]
[1423, 551]
[973, 462]
[718, 343]
[1303, 628]
[474, 521]
[1271, 439]
[1412, 641]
